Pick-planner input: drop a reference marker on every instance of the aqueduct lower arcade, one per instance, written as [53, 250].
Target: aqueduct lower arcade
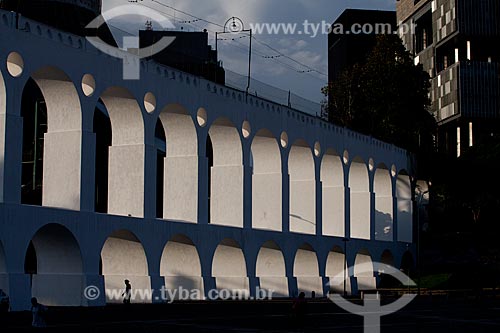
[175, 181]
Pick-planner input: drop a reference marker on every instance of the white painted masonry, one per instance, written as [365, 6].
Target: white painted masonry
[283, 190]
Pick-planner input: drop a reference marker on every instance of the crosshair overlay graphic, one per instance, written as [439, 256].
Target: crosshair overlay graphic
[131, 53]
[372, 310]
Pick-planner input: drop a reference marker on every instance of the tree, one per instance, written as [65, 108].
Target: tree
[386, 97]
[468, 187]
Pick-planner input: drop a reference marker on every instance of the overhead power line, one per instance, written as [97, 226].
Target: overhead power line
[182, 12]
[275, 57]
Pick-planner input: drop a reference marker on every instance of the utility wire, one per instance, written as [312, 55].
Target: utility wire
[308, 69]
[180, 11]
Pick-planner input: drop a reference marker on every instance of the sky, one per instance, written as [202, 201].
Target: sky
[310, 52]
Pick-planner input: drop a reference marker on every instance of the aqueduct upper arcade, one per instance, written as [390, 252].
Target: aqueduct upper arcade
[174, 181]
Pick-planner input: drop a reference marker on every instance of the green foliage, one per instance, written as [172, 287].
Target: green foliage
[387, 97]
[434, 281]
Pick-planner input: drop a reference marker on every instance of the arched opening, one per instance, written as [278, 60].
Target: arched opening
[4, 279]
[123, 258]
[34, 114]
[363, 271]
[337, 272]
[266, 182]
[386, 280]
[179, 165]
[126, 192]
[161, 154]
[360, 199]
[332, 180]
[387, 258]
[302, 189]
[271, 269]
[383, 204]
[103, 135]
[229, 267]
[306, 271]
[408, 264]
[52, 127]
[209, 155]
[405, 207]
[180, 266]
[30, 260]
[226, 174]
[54, 262]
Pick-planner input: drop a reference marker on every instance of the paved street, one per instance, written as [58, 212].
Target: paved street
[421, 316]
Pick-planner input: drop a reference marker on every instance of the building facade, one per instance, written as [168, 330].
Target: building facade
[456, 41]
[176, 181]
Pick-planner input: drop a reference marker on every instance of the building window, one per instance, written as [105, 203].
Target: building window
[423, 32]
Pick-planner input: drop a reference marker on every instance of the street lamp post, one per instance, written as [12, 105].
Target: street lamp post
[232, 26]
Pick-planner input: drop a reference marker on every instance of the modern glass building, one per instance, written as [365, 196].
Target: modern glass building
[457, 43]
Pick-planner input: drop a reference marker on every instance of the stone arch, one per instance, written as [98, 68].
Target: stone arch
[180, 175]
[57, 276]
[180, 265]
[126, 192]
[405, 207]
[271, 269]
[125, 115]
[61, 136]
[61, 96]
[360, 199]
[229, 266]
[266, 182]
[332, 180]
[383, 204]
[302, 188]
[337, 271]
[225, 174]
[306, 271]
[123, 258]
[363, 271]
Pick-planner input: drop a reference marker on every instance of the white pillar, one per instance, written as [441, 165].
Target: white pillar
[62, 170]
[180, 199]
[126, 180]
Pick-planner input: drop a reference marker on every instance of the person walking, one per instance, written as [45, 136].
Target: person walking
[128, 292]
[38, 313]
[299, 310]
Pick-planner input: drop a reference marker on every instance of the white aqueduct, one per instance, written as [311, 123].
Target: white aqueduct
[176, 181]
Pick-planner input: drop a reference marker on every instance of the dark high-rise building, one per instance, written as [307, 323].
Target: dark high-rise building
[189, 52]
[353, 36]
[457, 42]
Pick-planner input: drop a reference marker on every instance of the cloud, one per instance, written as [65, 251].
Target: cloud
[311, 51]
